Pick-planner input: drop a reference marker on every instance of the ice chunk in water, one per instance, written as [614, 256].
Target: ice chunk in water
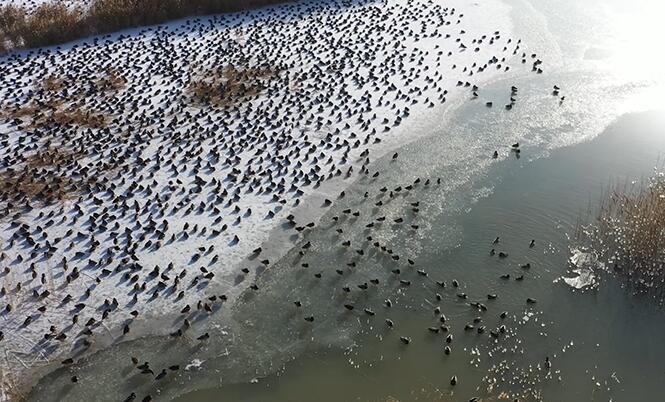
[582, 265]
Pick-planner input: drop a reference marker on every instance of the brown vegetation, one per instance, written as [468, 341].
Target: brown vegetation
[66, 117]
[38, 179]
[53, 83]
[54, 22]
[111, 81]
[12, 26]
[230, 85]
[629, 234]
[20, 112]
[112, 15]
[77, 117]
[69, 110]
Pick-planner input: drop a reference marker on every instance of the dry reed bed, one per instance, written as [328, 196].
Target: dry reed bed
[54, 22]
[628, 233]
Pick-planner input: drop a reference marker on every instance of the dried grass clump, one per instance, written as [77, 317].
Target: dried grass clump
[53, 84]
[629, 234]
[52, 157]
[38, 117]
[230, 85]
[77, 117]
[64, 109]
[39, 179]
[112, 80]
[23, 186]
[20, 112]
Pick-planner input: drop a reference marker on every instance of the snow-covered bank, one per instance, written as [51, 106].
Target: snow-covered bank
[176, 194]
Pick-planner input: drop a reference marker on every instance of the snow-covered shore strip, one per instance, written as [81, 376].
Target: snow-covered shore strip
[334, 66]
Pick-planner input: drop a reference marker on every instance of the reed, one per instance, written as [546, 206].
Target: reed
[54, 22]
[628, 233]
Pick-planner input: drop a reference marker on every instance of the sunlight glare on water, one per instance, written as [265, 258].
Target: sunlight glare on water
[638, 39]
[636, 42]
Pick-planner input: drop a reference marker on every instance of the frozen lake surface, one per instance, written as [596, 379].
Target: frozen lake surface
[157, 171]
